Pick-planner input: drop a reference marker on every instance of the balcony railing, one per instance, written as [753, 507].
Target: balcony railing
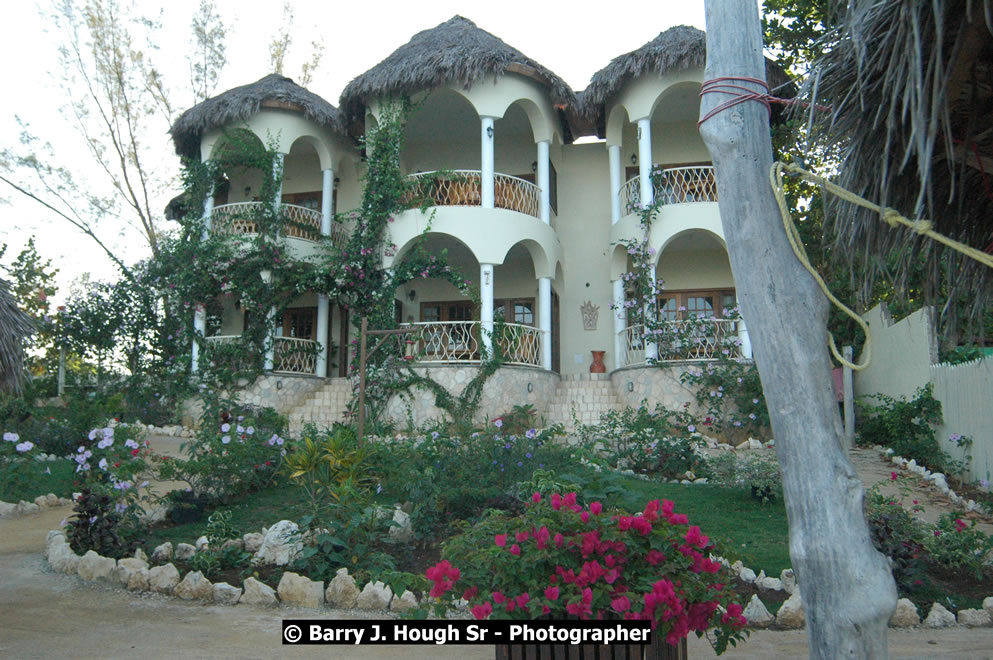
[459, 341]
[692, 339]
[463, 188]
[676, 185]
[298, 221]
[292, 355]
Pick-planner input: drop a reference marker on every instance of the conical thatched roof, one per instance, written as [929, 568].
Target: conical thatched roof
[15, 325]
[240, 103]
[454, 53]
[910, 93]
[678, 48]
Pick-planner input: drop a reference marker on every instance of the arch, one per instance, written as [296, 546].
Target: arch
[219, 140]
[539, 260]
[683, 89]
[318, 145]
[402, 250]
[618, 261]
[696, 233]
[616, 121]
[541, 126]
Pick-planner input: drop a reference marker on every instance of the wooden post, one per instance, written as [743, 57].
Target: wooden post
[848, 590]
[848, 386]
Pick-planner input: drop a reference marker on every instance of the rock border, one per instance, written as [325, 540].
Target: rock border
[22, 508]
[343, 592]
[935, 480]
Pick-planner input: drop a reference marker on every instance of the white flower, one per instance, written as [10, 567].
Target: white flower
[225, 427]
[11, 437]
[108, 432]
[130, 444]
[102, 464]
[22, 447]
[250, 430]
[226, 439]
[93, 434]
[106, 442]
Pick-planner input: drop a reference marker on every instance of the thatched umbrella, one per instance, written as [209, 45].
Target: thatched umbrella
[15, 325]
[910, 91]
[240, 103]
[453, 53]
[677, 49]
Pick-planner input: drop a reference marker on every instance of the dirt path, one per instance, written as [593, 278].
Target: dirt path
[46, 615]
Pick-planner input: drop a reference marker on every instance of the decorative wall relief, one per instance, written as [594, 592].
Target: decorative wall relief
[590, 314]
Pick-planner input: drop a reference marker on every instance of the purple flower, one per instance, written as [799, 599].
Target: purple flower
[225, 439]
[691, 428]
[498, 423]
[225, 427]
[106, 442]
[22, 447]
[529, 434]
[11, 437]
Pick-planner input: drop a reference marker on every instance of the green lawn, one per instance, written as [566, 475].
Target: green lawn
[40, 478]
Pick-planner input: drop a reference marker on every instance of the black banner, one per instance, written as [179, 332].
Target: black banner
[398, 631]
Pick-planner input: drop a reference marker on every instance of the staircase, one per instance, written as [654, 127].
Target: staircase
[323, 407]
[582, 398]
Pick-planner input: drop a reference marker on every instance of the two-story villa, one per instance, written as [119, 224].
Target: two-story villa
[539, 186]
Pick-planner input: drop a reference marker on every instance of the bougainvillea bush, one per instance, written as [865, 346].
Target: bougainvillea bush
[560, 559]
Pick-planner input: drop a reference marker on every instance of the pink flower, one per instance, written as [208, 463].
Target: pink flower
[500, 540]
[515, 550]
[556, 501]
[498, 597]
[892, 476]
[482, 611]
[552, 593]
[536, 498]
[523, 599]
[585, 516]
[596, 508]
[470, 593]
[559, 540]
[621, 604]
[522, 536]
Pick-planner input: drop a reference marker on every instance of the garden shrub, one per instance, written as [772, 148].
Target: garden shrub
[97, 525]
[959, 546]
[562, 559]
[662, 442]
[899, 536]
[214, 558]
[906, 427]
[730, 391]
[238, 449]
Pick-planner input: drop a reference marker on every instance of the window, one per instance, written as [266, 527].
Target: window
[458, 310]
[520, 310]
[298, 322]
[707, 303]
[310, 200]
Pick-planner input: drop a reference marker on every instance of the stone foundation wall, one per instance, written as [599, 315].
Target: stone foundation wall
[280, 391]
[657, 384]
[505, 389]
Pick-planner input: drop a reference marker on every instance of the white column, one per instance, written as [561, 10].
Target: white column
[620, 319]
[746, 342]
[270, 324]
[322, 335]
[327, 201]
[545, 320]
[200, 315]
[543, 182]
[199, 329]
[486, 305]
[486, 165]
[651, 348]
[645, 161]
[614, 156]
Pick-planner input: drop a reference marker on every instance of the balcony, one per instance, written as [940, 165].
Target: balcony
[448, 342]
[463, 188]
[675, 185]
[298, 222]
[685, 340]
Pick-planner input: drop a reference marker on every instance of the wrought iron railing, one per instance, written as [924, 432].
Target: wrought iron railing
[675, 185]
[294, 355]
[464, 188]
[460, 341]
[298, 221]
[687, 339]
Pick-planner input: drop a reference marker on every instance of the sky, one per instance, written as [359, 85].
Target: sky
[572, 42]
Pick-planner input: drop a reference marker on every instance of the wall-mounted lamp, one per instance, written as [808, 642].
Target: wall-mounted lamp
[530, 388]
[248, 191]
[534, 166]
[634, 159]
[279, 384]
[337, 180]
[411, 295]
[630, 386]
[237, 305]
[489, 132]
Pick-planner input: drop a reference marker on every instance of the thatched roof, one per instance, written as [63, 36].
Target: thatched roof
[454, 53]
[677, 49]
[15, 325]
[240, 103]
[910, 93]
